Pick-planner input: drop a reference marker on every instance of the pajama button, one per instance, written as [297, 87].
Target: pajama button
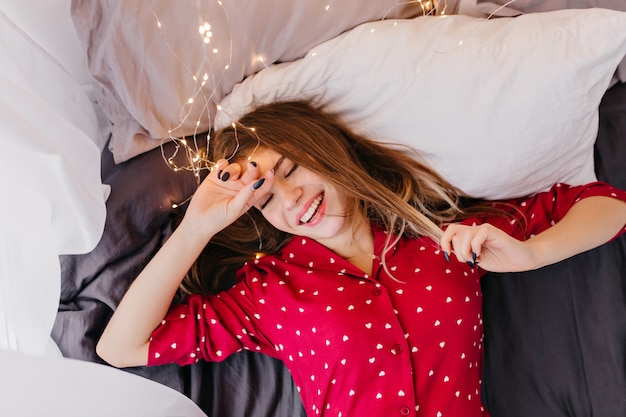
[397, 349]
[377, 291]
[405, 411]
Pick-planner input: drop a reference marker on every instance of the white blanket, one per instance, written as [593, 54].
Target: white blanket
[52, 195]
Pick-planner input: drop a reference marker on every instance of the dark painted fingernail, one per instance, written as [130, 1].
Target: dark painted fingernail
[252, 163]
[471, 264]
[474, 257]
[225, 176]
[219, 174]
[446, 256]
[258, 184]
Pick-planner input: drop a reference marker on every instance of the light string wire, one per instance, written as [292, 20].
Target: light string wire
[478, 26]
[429, 7]
[196, 155]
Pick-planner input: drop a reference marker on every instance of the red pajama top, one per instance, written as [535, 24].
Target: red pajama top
[360, 345]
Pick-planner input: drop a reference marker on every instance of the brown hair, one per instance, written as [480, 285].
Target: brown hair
[387, 184]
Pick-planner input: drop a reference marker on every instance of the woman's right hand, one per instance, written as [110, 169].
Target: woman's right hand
[222, 197]
[217, 202]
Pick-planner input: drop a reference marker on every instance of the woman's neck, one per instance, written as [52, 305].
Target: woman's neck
[359, 250]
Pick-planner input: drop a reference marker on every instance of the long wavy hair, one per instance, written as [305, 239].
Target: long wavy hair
[387, 184]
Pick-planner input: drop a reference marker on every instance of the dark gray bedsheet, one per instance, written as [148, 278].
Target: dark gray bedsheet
[556, 337]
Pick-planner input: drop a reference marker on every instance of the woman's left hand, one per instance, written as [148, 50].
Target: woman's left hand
[494, 249]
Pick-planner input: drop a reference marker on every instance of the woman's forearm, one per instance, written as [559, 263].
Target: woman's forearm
[216, 204]
[126, 337]
[588, 224]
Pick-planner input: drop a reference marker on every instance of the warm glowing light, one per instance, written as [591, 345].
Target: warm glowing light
[188, 155]
[262, 61]
[205, 32]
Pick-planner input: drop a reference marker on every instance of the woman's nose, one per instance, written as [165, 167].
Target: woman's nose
[288, 194]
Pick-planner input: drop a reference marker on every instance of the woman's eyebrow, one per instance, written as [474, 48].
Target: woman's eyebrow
[278, 163]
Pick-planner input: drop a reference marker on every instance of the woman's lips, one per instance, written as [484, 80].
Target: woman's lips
[313, 210]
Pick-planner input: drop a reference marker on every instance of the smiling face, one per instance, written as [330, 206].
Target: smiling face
[301, 202]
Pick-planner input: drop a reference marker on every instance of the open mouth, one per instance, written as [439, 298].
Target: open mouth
[313, 210]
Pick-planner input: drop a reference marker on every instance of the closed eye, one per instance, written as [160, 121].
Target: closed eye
[291, 170]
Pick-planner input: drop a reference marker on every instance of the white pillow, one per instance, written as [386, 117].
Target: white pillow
[502, 108]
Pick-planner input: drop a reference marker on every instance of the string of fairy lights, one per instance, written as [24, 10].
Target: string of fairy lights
[194, 147]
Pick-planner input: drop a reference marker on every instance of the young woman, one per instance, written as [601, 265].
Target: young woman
[353, 263]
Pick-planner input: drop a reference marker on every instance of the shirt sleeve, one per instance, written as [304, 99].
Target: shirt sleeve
[524, 217]
[208, 328]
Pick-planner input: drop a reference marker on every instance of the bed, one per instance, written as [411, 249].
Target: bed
[503, 98]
